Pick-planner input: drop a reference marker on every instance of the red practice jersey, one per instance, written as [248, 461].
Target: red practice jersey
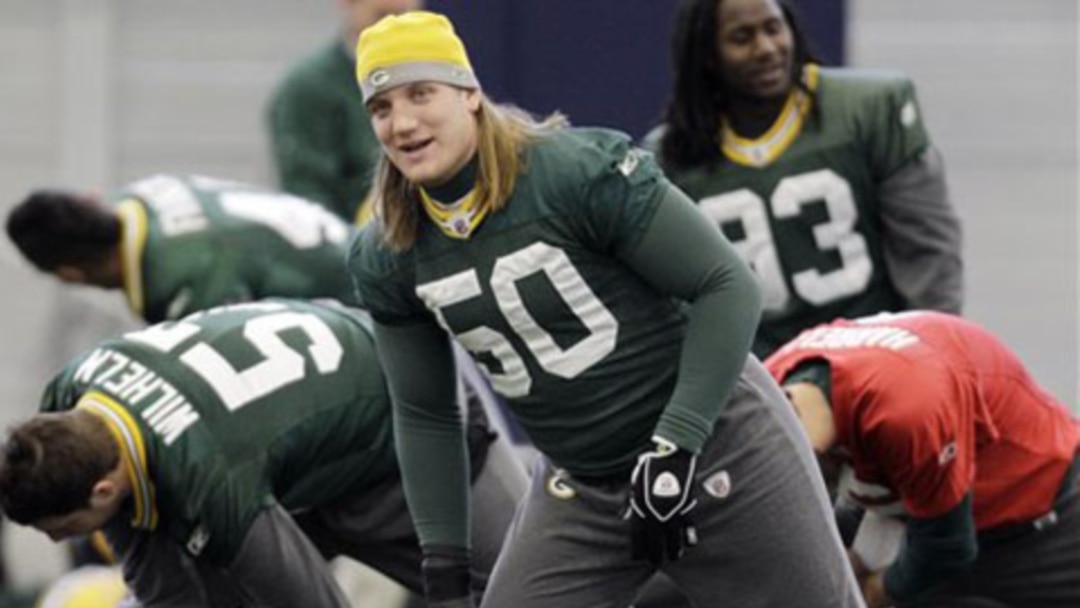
[929, 407]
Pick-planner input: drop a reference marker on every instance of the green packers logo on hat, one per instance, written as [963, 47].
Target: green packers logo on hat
[380, 78]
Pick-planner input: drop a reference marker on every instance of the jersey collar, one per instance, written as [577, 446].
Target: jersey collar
[457, 220]
[763, 150]
[132, 446]
[134, 226]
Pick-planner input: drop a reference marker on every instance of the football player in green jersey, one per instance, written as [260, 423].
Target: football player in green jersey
[825, 180]
[614, 318]
[178, 244]
[320, 133]
[229, 453]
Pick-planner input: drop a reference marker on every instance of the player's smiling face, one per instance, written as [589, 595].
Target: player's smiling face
[755, 48]
[427, 129]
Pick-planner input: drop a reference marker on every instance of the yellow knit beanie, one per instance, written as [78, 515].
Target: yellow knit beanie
[411, 47]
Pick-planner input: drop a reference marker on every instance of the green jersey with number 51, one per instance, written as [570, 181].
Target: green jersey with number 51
[226, 411]
[800, 203]
[193, 242]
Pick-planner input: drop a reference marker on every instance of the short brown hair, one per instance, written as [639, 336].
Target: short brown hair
[51, 463]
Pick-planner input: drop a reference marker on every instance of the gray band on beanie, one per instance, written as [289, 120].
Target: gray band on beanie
[384, 79]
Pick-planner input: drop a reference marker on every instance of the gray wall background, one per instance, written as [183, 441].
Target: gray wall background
[998, 84]
[186, 84]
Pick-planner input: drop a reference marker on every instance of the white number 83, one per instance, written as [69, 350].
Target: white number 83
[759, 249]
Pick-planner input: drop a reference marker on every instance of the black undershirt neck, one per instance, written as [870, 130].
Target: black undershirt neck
[455, 188]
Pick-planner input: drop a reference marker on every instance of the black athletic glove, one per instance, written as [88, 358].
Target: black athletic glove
[446, 577]
[661, 498]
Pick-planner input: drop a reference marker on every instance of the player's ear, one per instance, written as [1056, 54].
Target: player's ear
[108, 491]
[472, 99]
[104, 493]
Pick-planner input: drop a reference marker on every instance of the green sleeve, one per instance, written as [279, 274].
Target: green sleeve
[934, 550]
[683, 254]
[61, 393]
[306, 144]
[892, 121]
[383, 281]
[428, 430]
[419, 365]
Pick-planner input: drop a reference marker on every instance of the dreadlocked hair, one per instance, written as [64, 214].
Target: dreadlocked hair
[693, 114]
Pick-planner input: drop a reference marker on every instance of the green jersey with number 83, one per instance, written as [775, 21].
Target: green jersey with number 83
[800, 203]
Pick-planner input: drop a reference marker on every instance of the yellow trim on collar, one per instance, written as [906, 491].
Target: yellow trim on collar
[763, 150]
[459, 220]
[133, 452]
[101, 546]
[134, 225]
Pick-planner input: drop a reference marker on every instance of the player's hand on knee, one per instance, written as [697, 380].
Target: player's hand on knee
[661, 501]
[446, 578]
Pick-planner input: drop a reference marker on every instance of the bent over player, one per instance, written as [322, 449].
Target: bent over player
[936, 422]
[196, 443]
[178, 244]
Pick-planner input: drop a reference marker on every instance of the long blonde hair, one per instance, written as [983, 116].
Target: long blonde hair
[502, 132]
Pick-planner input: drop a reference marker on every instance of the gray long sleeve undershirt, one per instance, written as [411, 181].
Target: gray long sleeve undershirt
[922, 236]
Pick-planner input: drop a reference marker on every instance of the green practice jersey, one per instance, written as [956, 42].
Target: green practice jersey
[801, 203]
[228, 410]
[323, 144]
[581, 346]
[191, 242]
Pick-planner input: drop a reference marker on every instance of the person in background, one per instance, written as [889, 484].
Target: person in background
[825, 180]
[935, 422]
[320, 133]
[177, 244]
[615, 320]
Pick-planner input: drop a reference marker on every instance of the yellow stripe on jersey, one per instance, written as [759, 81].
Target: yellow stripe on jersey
[765, 149]
[457, 220]
[101, 546]
[134, 228]
[133, 451]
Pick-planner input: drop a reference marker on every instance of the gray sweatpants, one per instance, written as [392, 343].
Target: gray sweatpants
[766, 532]
[376, 529]
[283, 560]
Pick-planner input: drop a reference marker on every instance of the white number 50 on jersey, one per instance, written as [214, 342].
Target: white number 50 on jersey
[514, 379]
[758, 248]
